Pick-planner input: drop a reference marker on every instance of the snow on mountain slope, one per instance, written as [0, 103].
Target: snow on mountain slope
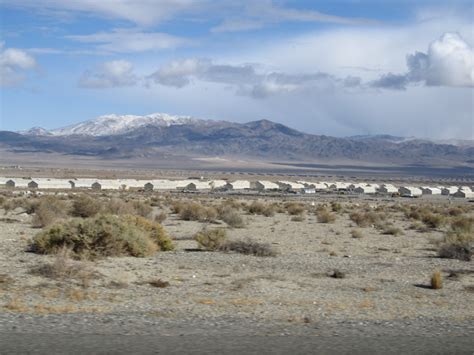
[117, 124]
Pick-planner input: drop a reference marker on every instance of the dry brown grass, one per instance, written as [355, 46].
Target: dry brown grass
[16, 305]
[64, 268]
[436, 281]
[356, 233]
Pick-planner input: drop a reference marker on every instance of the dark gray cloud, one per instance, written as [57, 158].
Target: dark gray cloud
[245, 79]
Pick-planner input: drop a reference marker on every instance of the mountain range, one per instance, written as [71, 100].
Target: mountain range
[129, 136]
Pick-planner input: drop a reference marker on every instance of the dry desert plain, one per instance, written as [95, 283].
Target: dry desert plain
[323, 263]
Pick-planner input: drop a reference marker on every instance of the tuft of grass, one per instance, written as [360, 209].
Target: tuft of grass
[103, 235]
[356, 233]
[436, 281]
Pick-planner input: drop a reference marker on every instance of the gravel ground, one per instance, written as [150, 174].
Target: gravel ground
[384, 292]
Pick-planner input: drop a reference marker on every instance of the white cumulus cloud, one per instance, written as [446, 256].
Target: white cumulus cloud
[116, 73]
[449, 61]
[14, 64]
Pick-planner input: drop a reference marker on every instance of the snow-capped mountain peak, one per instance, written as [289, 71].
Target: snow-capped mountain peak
[117, 124]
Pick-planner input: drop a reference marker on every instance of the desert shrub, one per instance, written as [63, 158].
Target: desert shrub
[458, 240]
[462, 225]
[436, 281]
[141, 208]
[158, 283]
[338, 274]
[365, 219]
[196, 212]
[455, 251]
[356, 233]
[336, 206]
[232, 217]
[176, 206]
[154, 230]
[161, 217]
[432, 220]
[249, 247]
[49, 210]
[298, 218]
[324, 216]
[64, 268]
[2, 200]
[455, 211]
[103, 235]
[260, 208]
[391, 230]
[294, 208]
[85, 206]
[117, 207]
[211, 239]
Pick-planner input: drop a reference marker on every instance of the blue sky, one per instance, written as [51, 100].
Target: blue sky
[325, 67]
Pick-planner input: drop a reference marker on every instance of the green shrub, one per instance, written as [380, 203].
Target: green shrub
[211, 239]
[103, 235]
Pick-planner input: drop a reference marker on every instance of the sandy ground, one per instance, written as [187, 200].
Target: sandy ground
[386, 277]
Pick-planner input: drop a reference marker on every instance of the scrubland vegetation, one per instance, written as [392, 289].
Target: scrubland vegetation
[87, 243]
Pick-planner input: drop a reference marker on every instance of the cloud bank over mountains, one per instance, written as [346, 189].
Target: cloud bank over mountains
[448, 62]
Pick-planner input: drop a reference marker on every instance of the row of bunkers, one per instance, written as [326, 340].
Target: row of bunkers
[304, 187]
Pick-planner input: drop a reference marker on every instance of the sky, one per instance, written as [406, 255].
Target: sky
[333, 67]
